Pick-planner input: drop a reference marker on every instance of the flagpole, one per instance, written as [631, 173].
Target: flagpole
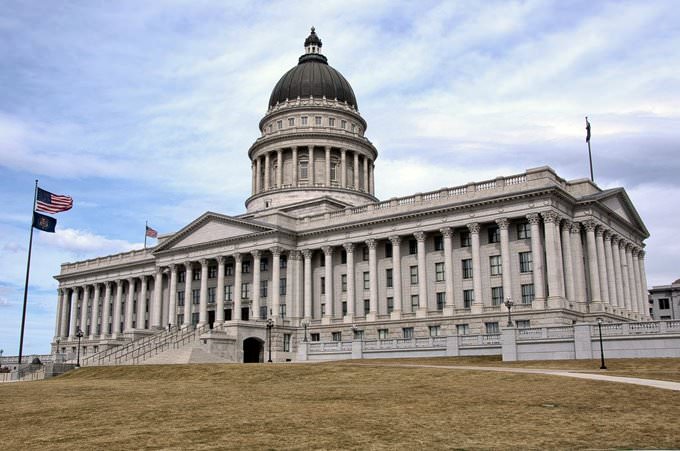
[590, 155]
[146, 227]
[28, 269]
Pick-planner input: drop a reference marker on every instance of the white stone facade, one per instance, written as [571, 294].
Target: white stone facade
[316, 248]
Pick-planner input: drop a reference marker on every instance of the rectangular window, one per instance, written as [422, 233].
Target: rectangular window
[492, 328]
[227, 292]
[413, 271]
[367, 280]
[388, 250]
[527, 293]
[279, 124]
[322, 260]
[496, 296]
[317, 120]
[438, 243]
[334, 172]
[180, 298]
[494, 234]
[344, 308]
[435, 331]
[282, 286]
[323, 309]
[283, 262]
[388, 278]
[263, 288]
[323, 285]
[180, 318]
[468, 298]
[523, 323]
[245, 290]
[331, 121]
[343, 283]
[382, 334]
[291, 121]
[525, 262]
[211, 295]
[194, 318]
[336, 336]
[664, 304]
[264, 264]
[467, 268]
[441, 300]
[315, 337]
[245, 268]
[195, 297]
[462, 329]
[439, 272]
[212, 272]
[343, 124]
[263, 311]
[229, 270]
[304, 173]
[412, 247]
[181, 276]
[354, 127]
[364, 253]
[523, 231]
[343, 257]
[196, 275]
[390, 304]
[408, 332]
[303, 120]
[286, 342]
[367, 306]
[414, 302]
[496, 265]
[465, 240]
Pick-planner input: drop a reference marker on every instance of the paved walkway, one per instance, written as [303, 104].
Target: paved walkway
[666, 385]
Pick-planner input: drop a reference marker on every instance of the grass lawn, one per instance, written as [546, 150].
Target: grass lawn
[331, 406]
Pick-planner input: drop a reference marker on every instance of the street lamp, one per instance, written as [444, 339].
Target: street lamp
[1, 351]
[508, 303]
[305, 324]
[270, 324]
[599, 328]
[79, 334]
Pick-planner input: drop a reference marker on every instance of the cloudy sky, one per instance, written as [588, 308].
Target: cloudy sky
[145, 111]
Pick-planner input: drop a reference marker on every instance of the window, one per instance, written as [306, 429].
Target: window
[525, 262]
[180, 318]
[343, 283]
[527, 293]
[367, 306]
[269, 127]
[195, 297]
[334, 171]
[181, 276]
[492, 328]
[323, 285]
[279, 124]
[496, 295]
[336, 336]
[465, 239]
[180, 298]
[414, 302]
[212, 272]
[303, 120]
[286, 342]
[229, 270]
[382, 334]
[367, 281]
[413, 271]
[467, 268]
[435, 331]
[390, 304]
[664, 304]
[211, 295]
[523, 231]
[245, 289]
[523, 323]
[263, 311]
[317, 120]
[322, 260]
[438, 243]
[439, 272]
[291, 121]
[194, 318]
[315, 337]
[364, 253]
[323, 309]
[263, 288]
[196, 275]
[304, 165]
[412, 247]
[468, 298]
[344, 308]
[283, 262]
[264, 264]
[343, 124]
[496, 265]
[441, 300]
[282, 286]
[354, 127]
[245, 268]
[408, 332]
[494, 234]
[388, 278]
[331, 121]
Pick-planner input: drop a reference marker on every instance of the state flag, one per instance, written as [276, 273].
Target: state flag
[44, 222]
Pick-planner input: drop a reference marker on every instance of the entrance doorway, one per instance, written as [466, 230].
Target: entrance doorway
[253, 350]
[211, 318]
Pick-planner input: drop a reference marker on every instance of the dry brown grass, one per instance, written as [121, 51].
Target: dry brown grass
[331, 406]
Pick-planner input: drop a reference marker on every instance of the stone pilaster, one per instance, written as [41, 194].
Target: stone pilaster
[643, 281]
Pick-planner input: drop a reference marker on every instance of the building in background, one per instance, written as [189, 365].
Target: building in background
[664, 301]
[317, 255]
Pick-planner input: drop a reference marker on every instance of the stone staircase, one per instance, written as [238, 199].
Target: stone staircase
[190, 353]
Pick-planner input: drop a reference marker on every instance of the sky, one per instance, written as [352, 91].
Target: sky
[144, 111]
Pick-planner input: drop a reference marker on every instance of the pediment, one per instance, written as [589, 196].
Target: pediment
[618, 202]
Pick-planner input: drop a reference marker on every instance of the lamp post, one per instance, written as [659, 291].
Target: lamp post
[1, 351]
[79, 334]
[305, 324]
[508, 303]
[355, 330]
[599, 328]
[270, 324]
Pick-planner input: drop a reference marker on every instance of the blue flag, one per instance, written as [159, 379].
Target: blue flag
[44, 222]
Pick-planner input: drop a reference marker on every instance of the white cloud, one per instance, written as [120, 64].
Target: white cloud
[83, 242]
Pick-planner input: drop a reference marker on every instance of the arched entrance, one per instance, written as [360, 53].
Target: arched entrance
[253, 350]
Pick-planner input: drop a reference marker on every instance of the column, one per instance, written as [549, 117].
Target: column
[537, 261]
[294, 258]
[579, 265]
[478, 304]
[631, 279]
[356, 170]
[602, 264]
[372, 186]
[568, 262]
[643, 281]
[624, 275]
[219, 292]
[172, 295]
[95, 312]
[253, 178]
[422, 275]
[618, 277]
[73, 312]
[343, 168]
[506, 273]
[635, 269]
[328, 281]
[117, 309]
[351, 300]
[609, 265]
[295, 167]
[594, 277]
[106, 317]
[63, 320]
[83, 309]
[57, 326]
[310, 169]
[373, 280]
[238, 281]
[141, 303]
[364, 187]
[328, 166]
[279, 168]
[307, 255]
[203, 301]
[266, 171]
[276, 284]
[129, 305]
[257, 255]
[555, 295]
[396, 278]
[156, 310]
[258, 171]
[188, 275]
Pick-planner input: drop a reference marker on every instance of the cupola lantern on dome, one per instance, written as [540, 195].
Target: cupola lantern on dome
[313, 43]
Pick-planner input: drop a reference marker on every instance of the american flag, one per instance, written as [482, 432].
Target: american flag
[52, 203]
[151, 232]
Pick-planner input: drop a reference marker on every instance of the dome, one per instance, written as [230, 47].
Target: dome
[313, 77]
